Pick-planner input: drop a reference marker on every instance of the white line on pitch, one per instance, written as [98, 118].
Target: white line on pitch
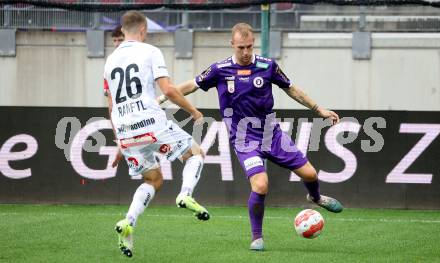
[230, 217]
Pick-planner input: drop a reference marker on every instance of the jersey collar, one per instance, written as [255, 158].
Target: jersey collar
[234, 61]
[125, 43]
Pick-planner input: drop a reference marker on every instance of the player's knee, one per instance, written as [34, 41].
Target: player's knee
[307, 173]
[260, 186]
[159, 183]
[310, 175]
[156, 182]
[195, 150]
[154, 178]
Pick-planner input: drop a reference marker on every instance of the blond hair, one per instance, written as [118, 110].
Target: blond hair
[243, 29]
[131, 21]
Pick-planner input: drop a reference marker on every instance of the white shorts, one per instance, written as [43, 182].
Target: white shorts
[141, 152]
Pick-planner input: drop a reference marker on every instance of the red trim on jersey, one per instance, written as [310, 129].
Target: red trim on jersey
[106, 88]
[143, 139]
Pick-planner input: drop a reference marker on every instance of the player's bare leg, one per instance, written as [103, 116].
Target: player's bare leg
[260, 185]
[153, 181]
[190, 176]
[310, 178]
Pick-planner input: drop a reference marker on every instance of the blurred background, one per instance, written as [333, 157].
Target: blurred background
[382, 69]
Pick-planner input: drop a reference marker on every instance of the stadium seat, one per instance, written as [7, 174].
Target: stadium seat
[22, 5]
[190, 1]
[149, 1]
[284, 6]
[68, 1]
[197, 1]
[111, 1]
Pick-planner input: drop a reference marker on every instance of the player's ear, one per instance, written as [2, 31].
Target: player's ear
[144, 32]
[232, 42]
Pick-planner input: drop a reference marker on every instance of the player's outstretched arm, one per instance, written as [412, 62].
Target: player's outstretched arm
[301, 97]
[184, 88]
[177, 98]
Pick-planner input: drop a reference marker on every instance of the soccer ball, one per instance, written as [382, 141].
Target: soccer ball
[309, 223]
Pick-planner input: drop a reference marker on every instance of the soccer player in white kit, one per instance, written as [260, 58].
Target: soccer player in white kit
[141, 127]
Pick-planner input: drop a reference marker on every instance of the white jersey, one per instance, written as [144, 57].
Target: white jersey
[130, 72]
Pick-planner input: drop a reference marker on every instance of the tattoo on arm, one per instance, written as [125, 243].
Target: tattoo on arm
[302, 98]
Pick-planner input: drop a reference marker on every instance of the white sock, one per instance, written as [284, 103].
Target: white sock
[191, 174]
[141, 198]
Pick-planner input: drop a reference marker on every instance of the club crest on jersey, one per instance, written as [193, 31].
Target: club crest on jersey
[244, 72]
[258, 82]
[231, 86]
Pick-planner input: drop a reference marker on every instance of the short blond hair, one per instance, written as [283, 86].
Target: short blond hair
[243, 29]
[131, 21]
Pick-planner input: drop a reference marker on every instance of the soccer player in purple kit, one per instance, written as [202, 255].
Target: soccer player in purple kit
[244, 85]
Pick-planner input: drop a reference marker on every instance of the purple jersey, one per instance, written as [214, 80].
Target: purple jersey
[246, 102]
[247, 90]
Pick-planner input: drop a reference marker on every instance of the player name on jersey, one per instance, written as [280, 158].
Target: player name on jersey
[131, 107]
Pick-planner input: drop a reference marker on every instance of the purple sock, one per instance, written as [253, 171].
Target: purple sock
[313, 188]
[256, 213]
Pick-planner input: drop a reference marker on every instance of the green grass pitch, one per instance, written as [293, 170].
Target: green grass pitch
[74, 233]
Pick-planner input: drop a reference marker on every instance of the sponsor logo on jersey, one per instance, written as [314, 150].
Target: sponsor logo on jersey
[244, 72]
[204, 74]
[136, 125]
[280, 73]
[252, 162]
[231, 86]
[133, 164]
[262, 65]
[243, 79]
[258, 82]
[170, 151]
[143, 139]
[164, 148]
[147, 199]
[230, 78]
[224, 65]
[133, 161]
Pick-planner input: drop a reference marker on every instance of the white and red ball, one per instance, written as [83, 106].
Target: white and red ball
[309, 223]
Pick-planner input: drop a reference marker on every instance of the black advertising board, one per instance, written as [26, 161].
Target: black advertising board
[387, 159]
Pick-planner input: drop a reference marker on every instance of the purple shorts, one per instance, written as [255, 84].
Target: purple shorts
[282, 152]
